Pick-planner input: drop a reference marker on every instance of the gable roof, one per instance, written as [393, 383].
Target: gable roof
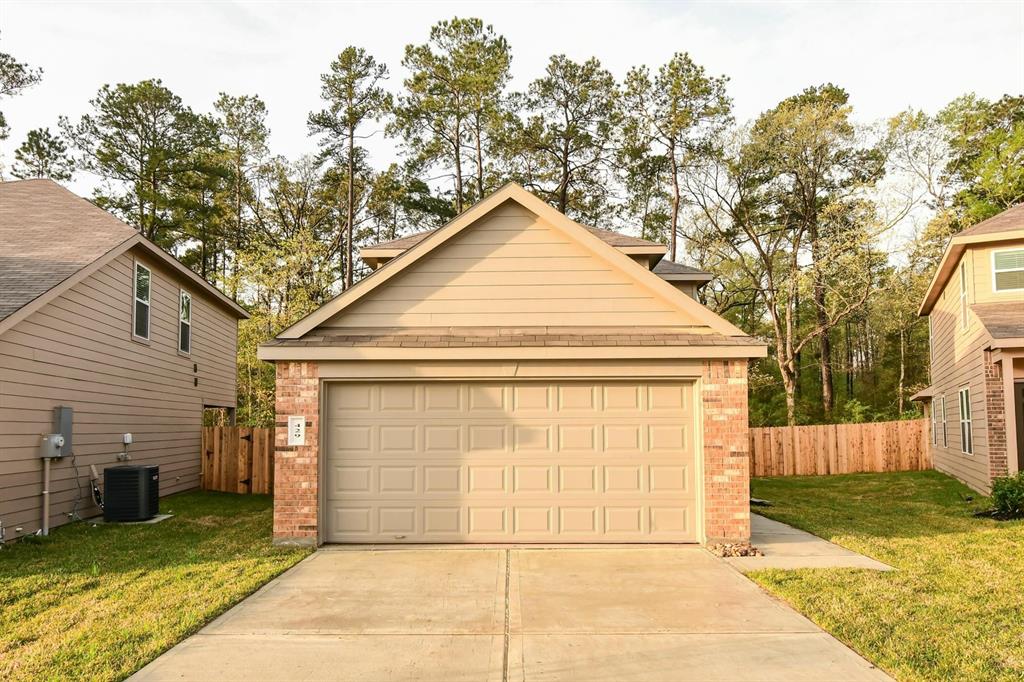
[1009, 220]
[1006, 226]
[513, 192]
[48, 234]
[376, 255]
[50, 238]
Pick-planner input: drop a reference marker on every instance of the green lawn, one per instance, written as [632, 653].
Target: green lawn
[954, 609]
[97, 602]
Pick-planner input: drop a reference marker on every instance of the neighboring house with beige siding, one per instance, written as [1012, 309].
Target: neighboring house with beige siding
[975, 310]
[513, 376]
[95, 317]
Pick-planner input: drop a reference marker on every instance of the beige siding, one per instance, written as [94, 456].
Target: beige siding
[980, 263]
[511, 269]
[78, 351]
[958, 362]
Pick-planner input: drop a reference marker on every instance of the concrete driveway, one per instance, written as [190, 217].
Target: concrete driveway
[511, 614]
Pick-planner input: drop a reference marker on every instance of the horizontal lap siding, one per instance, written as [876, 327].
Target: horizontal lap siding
[511, 269]
[958, 362]
[78, 351]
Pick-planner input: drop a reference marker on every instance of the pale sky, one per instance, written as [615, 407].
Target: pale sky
[888, 55]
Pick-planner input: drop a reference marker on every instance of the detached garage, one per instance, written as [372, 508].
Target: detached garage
[513, 377]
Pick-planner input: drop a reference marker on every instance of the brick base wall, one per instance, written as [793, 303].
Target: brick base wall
[296, 466]
[995, 412]
[726, 444]
[725, 441]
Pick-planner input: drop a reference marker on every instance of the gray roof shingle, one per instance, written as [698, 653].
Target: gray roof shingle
[1010, 219]
[497, 337]
[47, 234]
[1002, 320]
[607, 236]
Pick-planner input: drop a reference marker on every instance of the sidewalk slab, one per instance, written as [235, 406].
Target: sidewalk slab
[790, 548]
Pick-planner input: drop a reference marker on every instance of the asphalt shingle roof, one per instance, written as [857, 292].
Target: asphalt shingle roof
[47, 234]
[607, 236]
[1010, 219]
[1002, 320]
[454, 337]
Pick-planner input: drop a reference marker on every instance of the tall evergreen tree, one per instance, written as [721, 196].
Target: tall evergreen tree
[243, 131]
[141, 139]
[353, 92]
[563, 150]
[15, 77]
[453, 104]
[43, 155]
[678, 113]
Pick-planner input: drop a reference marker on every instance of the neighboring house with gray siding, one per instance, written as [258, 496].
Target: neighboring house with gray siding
[96, 317]
[975, 310]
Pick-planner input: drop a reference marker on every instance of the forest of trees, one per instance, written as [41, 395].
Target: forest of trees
[823, 229]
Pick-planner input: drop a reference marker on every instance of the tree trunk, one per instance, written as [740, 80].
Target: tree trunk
[350, 209]
[675, 202]
[903, 368]
[823, 323]
[479, 164]
[458, 165]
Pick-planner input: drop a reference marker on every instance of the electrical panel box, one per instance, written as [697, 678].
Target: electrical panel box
[63, 422]
[51, 446]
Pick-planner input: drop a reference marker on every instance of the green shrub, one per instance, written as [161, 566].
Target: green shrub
[1008, 494]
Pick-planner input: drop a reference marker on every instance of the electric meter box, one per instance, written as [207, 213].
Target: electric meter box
[51, 446]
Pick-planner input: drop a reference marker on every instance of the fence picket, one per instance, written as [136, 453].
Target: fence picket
[237, 459]
[840, 448]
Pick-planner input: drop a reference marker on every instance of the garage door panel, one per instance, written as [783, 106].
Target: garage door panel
[531, 438]
[442, 479]
[531, 462]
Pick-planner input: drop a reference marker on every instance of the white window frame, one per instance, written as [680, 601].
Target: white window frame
[931, 347]
[136, 300]
[935, 422]
[966, 425]
[994, 271]
[963, 294]
[182, 295]
[945, 433]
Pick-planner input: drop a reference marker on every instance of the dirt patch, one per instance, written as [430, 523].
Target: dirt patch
[729, 549]
[998, 515]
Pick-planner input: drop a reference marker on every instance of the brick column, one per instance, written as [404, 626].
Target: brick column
[296, 466]
[726, 445]
[995, 413]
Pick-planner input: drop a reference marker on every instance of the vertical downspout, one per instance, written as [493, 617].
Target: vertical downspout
[46, 496]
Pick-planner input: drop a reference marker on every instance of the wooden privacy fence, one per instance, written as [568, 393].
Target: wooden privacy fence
[238, 459]
[840, 448]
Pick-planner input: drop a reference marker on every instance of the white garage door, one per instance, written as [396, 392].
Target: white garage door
[523, 462]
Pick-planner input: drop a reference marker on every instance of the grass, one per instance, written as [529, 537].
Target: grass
[954, 609]
[98, 602]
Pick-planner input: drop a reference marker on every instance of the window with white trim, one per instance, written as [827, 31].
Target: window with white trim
[1008, 270]
[185, 322]
[141, 292]
[935, 423]
[942, 419]
[963, 294]
[931, 349]
[966, 433]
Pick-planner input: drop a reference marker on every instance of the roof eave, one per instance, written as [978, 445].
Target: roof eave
[273, 353]
[951, 256]
[222, 300]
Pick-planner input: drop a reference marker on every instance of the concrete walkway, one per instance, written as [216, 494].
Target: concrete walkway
[647, 614]
[789, 548]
